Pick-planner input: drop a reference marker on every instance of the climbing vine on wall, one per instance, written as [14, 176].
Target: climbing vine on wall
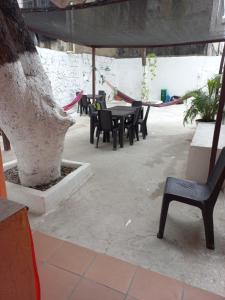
[149, 72]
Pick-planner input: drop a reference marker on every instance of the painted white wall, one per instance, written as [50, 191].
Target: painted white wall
[181, 74]
[129, 72]
[69, 73]
[176, 74]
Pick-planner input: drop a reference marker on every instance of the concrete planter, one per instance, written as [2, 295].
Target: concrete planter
[40, 202]
[200, 151]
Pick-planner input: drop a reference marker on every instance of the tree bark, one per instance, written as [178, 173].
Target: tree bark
[31, 119]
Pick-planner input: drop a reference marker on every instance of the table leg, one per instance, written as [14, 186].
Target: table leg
[121, 131]
[92, 129]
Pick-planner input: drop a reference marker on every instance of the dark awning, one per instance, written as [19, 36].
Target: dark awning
[134, 23]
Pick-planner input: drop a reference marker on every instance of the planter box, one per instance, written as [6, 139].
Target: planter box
[200, 151]
[40, 202]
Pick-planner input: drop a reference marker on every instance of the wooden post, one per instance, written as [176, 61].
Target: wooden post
[222, 61]
[2, 179]
[144, 55]
[93, 74]
[216, 135]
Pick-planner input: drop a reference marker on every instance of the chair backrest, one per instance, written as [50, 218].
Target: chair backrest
[102, 93]
[137, 104]
[216, 179]
[105, 120]
[136, 115]
[84, 101]
[102, 103]
[91, 109]
[146, 114]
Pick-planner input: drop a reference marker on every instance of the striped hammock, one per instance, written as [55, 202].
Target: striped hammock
[75, 101]
[130, 100]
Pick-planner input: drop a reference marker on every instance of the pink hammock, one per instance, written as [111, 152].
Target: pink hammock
[131, 100]
[75, 101]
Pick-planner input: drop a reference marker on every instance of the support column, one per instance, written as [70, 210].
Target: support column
[219, 119]
[93, 74]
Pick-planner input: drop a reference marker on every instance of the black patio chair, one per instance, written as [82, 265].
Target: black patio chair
[84, 104]
[93, 121]
[102, 93]
[203, 196]
[132, 126]
[143, 123]
[136, 104]
[102, 103]
[106, 125]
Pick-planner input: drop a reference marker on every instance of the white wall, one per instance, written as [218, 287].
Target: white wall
[176, 74]
[181, 74]
[129, 72]
[71, 72]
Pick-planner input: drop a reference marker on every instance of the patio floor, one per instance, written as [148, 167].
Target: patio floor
[117, 211]
[71, 272]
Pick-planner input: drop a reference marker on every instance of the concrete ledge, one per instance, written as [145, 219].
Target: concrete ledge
[200, 151]
[40, 202]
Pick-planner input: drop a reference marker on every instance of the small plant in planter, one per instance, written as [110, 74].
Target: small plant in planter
[204, 101]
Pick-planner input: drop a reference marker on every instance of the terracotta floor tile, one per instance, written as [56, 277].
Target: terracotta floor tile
[73, 258]
[191, 293]
[56, 284]
[45, 245]
[130, 298]
[111, 272]
[89, 290]
[150, 285]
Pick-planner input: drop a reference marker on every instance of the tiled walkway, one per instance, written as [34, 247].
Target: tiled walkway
[71, 272]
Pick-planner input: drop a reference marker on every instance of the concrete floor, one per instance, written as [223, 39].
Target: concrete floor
[117, 211]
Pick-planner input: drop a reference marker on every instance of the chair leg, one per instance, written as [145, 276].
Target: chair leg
[131, 136]
[208, 225]
[114, 140]
[146, 130]
[136, 132]
[98, 135]
[163, 216]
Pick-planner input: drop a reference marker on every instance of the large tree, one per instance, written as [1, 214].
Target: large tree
[31, 119]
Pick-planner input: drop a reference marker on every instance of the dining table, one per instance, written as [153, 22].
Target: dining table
[96, 97]
[119, 113]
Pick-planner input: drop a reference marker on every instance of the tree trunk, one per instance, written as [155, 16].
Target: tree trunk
[33, 122]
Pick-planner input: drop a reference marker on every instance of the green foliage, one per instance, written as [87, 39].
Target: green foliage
[204, 101]
[148, 70]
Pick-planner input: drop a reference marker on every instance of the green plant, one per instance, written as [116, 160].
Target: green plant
[148, 70]
[204, 101]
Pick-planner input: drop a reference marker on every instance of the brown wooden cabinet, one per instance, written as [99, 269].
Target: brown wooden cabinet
[18, 279]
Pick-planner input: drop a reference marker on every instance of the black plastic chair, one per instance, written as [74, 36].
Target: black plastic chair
[102, 93]
[107, 125]
[93, 121]
[102, 103]
[84, 104]
[143, 123]
[203, 196]
[137, 104]
[132, 126]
